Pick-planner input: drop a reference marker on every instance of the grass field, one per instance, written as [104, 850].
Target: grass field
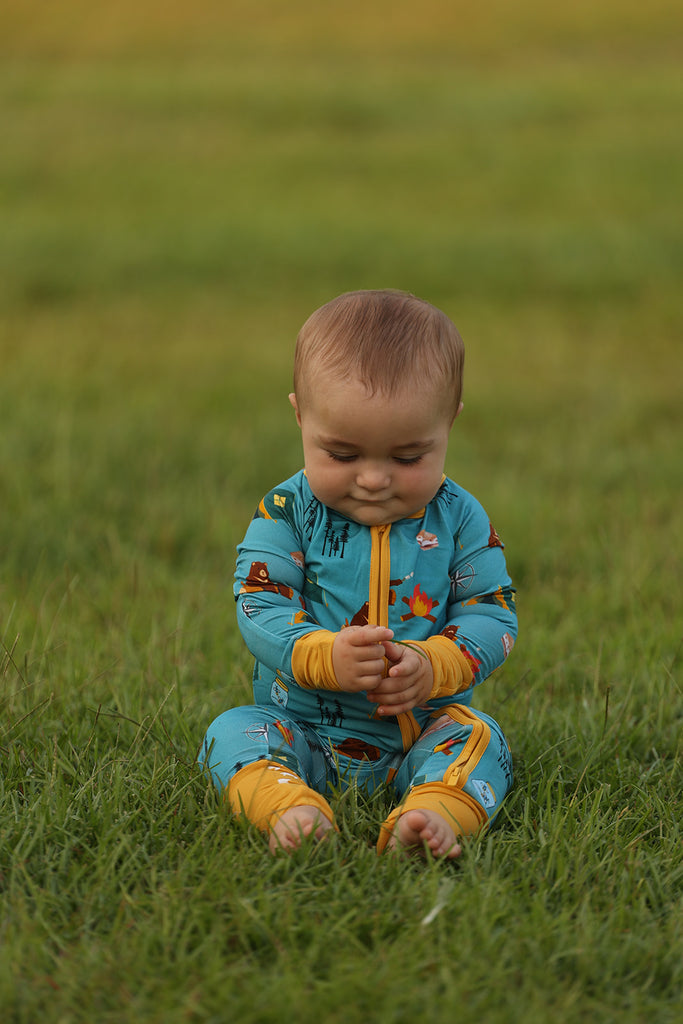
[179, 188]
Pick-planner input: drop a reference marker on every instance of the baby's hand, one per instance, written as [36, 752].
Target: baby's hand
[408, 684]
[358, 657]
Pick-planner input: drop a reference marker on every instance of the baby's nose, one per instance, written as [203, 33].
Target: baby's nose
[373, 476]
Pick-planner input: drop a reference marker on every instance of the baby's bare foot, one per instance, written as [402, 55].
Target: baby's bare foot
[294, 825]
[418, 830]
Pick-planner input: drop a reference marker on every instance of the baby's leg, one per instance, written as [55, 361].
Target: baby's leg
[455, 777]
[272, 769]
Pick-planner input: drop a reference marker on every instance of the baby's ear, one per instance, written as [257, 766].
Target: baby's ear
[456, 415]
[294, 404]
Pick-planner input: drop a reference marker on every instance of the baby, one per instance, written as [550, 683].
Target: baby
[372, 592]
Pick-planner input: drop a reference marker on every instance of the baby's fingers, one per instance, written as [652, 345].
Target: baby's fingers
[392, 692]
[395, 705]
[394, 652]
[366, 636]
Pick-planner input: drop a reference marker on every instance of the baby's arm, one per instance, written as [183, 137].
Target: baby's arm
[269, 585]
[481, 622]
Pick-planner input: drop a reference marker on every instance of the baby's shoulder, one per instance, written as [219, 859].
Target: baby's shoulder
[291, 501]
[455, 503]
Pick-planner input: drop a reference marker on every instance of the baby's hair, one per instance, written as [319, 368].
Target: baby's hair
[385, 338]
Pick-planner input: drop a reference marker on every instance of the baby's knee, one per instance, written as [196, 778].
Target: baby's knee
[488, 780]
[225, 748]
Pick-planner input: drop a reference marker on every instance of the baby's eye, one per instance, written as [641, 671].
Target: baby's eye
[336, 457]
[408, 461]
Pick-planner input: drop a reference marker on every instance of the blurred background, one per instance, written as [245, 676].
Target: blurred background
[182, 184]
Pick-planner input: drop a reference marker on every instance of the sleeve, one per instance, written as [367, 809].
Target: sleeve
[451, 669]
[271, 612]
[482, 621]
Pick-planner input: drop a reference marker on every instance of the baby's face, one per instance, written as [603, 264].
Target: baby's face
[374, 458]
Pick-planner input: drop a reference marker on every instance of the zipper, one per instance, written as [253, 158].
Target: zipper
[378, 611]
[380, 572]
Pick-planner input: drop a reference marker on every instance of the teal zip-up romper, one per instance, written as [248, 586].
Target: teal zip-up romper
[303, 573]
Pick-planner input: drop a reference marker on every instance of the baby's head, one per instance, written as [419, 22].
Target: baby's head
[388, 340]
[377, 385]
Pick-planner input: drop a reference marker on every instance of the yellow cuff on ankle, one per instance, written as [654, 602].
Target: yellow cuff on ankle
[262, 791]
[460, 810]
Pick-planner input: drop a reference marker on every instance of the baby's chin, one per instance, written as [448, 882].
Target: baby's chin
[375, 513]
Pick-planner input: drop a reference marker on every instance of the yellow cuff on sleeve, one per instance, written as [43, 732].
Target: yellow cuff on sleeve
[452, 671]
[312, 661]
